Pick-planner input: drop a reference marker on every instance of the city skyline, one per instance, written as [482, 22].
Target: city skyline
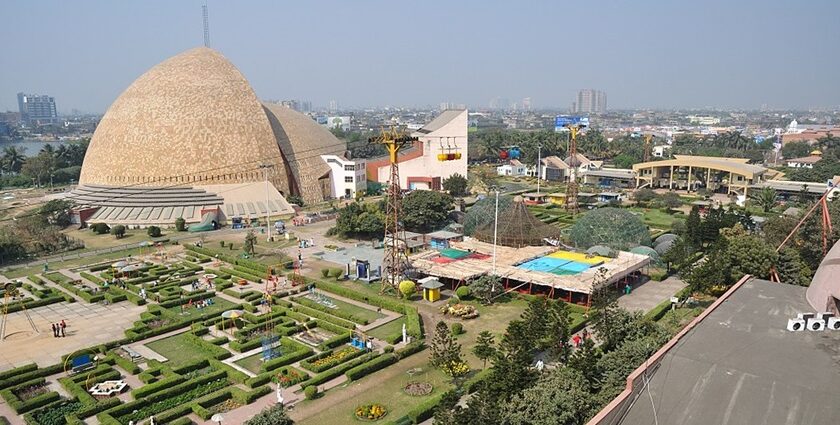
[295, 51]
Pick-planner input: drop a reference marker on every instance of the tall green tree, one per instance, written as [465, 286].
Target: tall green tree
[792, 270]
[444, 349]
[456, 185]
[484, 347]
[693, 230]
[765, 198]
[13, 159]
[585, 361]
[558, 331]
[250, 245]
[561, 397]
[425, 210]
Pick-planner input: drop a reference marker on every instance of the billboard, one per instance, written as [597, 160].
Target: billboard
[563, 121]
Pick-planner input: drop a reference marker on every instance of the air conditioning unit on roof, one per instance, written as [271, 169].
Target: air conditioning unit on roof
[815, 324]
[833, 324]
[796, 325]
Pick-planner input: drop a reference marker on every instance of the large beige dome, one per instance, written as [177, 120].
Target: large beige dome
[192, 119]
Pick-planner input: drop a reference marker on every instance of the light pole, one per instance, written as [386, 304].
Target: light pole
[265, 168]
[495, 229]
[539, 167]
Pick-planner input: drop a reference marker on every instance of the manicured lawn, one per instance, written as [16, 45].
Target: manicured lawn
[38, 268]
[251, 363]
[391, 328]
[656, 218]
[177, 350]
[388, 392]
[356, 311]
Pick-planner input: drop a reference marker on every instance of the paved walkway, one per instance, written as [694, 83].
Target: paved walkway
[649, 294]
[87, 325]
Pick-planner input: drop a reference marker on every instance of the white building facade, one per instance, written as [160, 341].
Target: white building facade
[421, 166]
[348, 177]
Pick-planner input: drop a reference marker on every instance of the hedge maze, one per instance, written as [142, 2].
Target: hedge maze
[182, 361]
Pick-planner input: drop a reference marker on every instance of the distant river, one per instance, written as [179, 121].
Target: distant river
[30, 147]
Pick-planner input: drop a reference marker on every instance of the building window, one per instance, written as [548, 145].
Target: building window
[348, 179]
[350, 168]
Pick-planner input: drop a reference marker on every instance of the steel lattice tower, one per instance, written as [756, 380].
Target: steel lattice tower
[572, 187]
[395, 262]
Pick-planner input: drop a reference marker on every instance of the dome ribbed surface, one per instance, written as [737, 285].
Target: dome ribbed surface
[192, 119]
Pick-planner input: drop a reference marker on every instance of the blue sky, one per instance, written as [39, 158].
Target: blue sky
[643, 53]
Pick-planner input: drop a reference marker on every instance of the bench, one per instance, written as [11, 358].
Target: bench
[131, 353]
[82, 363]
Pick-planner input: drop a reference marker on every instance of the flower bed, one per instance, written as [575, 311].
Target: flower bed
[327, 360]
[418, 388]
[464, 311]
[54, 414]
[225, 406]
[371, 412]
[31, 391]
[289, 376]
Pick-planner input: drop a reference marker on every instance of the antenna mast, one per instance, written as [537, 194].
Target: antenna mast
[206, 25]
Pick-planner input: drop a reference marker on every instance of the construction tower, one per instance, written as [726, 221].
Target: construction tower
[574, 125]
[395, 262]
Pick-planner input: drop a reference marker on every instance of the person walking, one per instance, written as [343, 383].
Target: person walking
[55, 331]
[62, 325]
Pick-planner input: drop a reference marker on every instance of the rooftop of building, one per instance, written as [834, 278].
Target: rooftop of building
[737, 364]
[733, 165]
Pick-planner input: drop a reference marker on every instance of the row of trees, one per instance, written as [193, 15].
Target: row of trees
[571, 393]
[51, 164]
[422, 211]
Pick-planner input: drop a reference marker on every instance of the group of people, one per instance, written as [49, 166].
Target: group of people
[579, 338]
[200, 303]
[59, 329]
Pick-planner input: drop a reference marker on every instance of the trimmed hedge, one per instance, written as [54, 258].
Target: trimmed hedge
[156, 387]
[21, 406]
[409, 349]
[26, 373]
[365, 369]
[286, 360]
[241, 274]
[339, 370]
[336, 341]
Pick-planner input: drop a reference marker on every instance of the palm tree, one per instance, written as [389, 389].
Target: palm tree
[48, 149]
[12, 159]
[766, 198]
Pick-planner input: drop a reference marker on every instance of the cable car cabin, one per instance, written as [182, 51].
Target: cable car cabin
[449, 153]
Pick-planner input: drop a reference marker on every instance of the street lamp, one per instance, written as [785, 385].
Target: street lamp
[495, 226]
[265, 168]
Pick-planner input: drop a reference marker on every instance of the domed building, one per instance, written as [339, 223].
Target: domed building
[189, 138]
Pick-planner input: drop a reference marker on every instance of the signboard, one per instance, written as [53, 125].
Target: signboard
[563, 121]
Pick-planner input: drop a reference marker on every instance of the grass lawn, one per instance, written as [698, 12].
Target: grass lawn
[393, 327]
[656, 218]
[253, 362]
[76, 262]
[177, 350]
[356, 311]
[388, 392]
[493, 318]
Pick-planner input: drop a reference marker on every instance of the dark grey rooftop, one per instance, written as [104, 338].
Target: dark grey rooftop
[741, 366]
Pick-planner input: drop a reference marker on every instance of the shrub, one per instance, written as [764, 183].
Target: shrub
[389, 349]
[100, 228]
[310, 392]
[457, 329]
[325, 273]
[463, 292]
[118, 231]
[180, 224]
[407, 288]
[336, 273]
[153, 231]
[222, 244]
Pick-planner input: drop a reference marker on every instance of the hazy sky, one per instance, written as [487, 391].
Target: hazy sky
[643, 53]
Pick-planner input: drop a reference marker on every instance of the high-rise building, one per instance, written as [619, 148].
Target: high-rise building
[333, 106]
[526, 104]
[37, 109]
[591, 101]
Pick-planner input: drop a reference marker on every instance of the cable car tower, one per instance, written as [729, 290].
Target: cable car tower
[395, 263]
[573, 124]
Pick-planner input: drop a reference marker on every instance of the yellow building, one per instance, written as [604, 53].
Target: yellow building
[686, 172]
[431, 289]
[557, 198]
